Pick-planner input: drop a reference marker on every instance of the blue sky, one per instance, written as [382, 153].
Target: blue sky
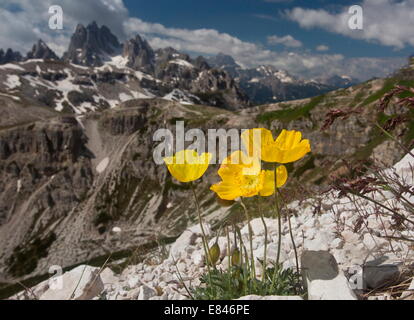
[310, 39]
[255, 20]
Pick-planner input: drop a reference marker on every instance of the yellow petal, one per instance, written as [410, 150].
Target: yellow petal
[269, 181]
[288, 139]
[282, 176]
[226, 190]
[239, 163]
[296, 153]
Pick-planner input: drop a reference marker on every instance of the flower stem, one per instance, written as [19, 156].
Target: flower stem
[205, 244]
[265, 244]
[253, 270]
[279, 221]
[293, 244]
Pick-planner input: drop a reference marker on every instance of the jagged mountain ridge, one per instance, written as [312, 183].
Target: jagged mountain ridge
[217, 81]
[97, 72]
[266, 84]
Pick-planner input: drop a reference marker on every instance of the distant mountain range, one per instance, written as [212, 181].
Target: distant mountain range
[135, 70]
[266, 84]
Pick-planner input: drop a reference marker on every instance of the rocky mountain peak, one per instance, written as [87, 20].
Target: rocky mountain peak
[40, 50]
[201, 63]
[91, 45]
[139, 54]
[223, 60]
[167, 54]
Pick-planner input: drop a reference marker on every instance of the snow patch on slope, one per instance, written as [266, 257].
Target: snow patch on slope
[183, 63]
[102, 165]
[13, 81]
[181, 97]
[11, 66]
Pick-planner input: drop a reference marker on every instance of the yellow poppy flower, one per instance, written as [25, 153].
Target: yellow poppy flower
[288, 146]
[242, 177]
[187, 165]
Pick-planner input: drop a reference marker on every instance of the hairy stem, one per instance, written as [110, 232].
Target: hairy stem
[279, 220]
[279, 223]
[253, 269]
[265, 244]
[205, 244]
[294, 245]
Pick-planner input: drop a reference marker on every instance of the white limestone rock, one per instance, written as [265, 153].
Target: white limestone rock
[323, 279]
[81, 283]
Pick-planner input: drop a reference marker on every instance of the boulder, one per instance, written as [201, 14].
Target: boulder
[81, 283]
[108, 277]
[323, 279]
[381, 272]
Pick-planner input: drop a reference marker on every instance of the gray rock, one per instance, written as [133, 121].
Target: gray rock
[146, 293]
[323, 279]
[380, 272]
[409, 294]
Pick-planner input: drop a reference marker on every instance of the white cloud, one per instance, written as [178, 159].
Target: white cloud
[322, 47]
[21, 28]
[303, 64]
[388, 22]
[287, 41]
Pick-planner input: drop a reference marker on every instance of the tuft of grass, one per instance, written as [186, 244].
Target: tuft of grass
[236, 283]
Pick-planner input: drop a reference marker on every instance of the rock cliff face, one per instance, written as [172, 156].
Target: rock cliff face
[67, 181]
[91, 45]
[139, 54]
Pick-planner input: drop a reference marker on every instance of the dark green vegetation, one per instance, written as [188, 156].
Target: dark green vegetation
[221, 285]
[24, 260]
[290, 114]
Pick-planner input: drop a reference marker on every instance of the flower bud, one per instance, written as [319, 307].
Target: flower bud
[214, 254]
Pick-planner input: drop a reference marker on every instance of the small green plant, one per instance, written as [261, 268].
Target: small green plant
[242, 177]
[238, 282]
